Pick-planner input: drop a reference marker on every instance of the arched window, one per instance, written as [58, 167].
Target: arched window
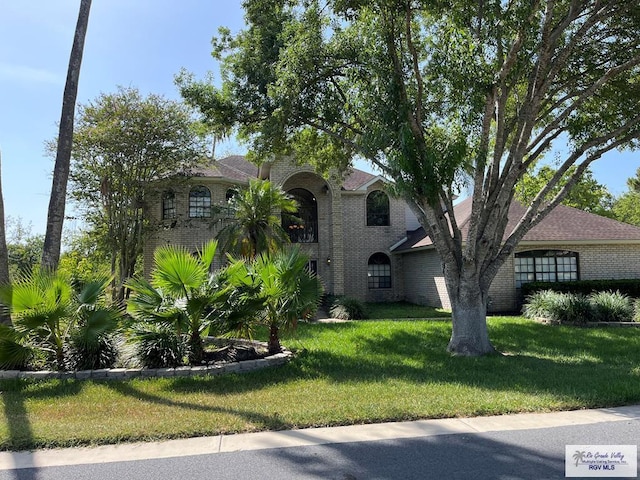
[302, 226]
[231, 192]
[379, 271]
[168, 205]
[200, 202]
[545, 266]
[377, 209]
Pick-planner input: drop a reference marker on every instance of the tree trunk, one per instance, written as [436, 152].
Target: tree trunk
[196, 349]
[5, 317]
[57, 201]
[274, 340]
[469, 335]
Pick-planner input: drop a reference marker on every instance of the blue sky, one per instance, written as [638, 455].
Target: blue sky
[133, 43]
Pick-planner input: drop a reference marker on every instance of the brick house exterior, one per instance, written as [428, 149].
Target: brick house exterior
[387, 256]
[569, 244]
[348, 245]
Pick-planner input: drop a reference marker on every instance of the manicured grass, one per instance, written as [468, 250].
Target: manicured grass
[395, 310]
[345, 373]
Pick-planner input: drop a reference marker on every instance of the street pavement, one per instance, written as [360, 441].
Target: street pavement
[521, 446]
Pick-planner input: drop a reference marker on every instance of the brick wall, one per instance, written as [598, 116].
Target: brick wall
[190, 232]
[424, 282]
[362, 241]
[595, 262]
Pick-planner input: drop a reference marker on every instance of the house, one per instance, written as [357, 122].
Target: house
[366, 244]
[568, 244]
[348, 223]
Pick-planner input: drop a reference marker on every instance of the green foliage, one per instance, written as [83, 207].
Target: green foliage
[159, 347]
[579, 309]
[124, 142]
[611, 307]
[50, 320]
[182, 298]
[24, 248]
[636, 310]
[626, 208]
[587, 194]
[84, 258]
[347, 308]
[630, 287]
[284, 287]
[558, 307]
[255, 226]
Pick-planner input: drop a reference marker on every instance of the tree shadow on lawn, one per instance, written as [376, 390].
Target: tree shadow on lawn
[15, 394]
[586, 367]
[270, 422]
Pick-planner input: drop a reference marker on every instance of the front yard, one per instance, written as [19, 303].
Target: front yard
[344, 373]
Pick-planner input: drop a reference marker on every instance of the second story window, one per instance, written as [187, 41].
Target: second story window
[168, 205]
[377, 209]
[302, 226]
[199, 202]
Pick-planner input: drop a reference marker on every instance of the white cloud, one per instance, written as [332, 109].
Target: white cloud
[23, 73]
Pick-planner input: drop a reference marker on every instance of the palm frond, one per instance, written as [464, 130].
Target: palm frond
[14, 352]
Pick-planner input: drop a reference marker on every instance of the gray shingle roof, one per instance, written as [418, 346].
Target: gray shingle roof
[237, 167]
[562, 224]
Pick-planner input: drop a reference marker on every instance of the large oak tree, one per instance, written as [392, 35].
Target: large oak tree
[438, 95]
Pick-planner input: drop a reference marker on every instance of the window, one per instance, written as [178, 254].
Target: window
[231, 192]
[379, 271]
[377, 209]
[168, 205]
[302, 226]
[200, 202]
[546, 266]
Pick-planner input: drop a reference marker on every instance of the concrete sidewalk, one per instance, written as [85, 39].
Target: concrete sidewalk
[311, 436]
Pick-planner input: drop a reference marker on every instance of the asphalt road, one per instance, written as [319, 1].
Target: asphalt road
[518, 453]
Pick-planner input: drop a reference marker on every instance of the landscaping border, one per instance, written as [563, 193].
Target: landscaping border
[187, 371]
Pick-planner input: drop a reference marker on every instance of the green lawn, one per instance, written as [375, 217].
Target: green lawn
[344, 373]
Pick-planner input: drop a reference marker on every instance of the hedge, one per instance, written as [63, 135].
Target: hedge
[629, 287]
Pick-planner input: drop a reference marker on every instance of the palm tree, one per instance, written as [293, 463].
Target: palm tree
[5, 318]
[285, 287]
[55, 216]
[256, 224]
[50, 317]
[182, 296]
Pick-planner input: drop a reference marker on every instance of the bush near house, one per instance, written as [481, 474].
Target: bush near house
[581, 309]
[347, 308]
[629, 287]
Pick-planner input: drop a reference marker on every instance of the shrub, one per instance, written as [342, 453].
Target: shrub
[630, 287]
[611, 307]
[159, 347]
[82, 355]
[636, 310]
[347, 308]
[558, 307]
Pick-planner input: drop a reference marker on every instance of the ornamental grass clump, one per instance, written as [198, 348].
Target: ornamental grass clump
[636, 310]
[346, 308]
[611, 307]
[558, 307]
